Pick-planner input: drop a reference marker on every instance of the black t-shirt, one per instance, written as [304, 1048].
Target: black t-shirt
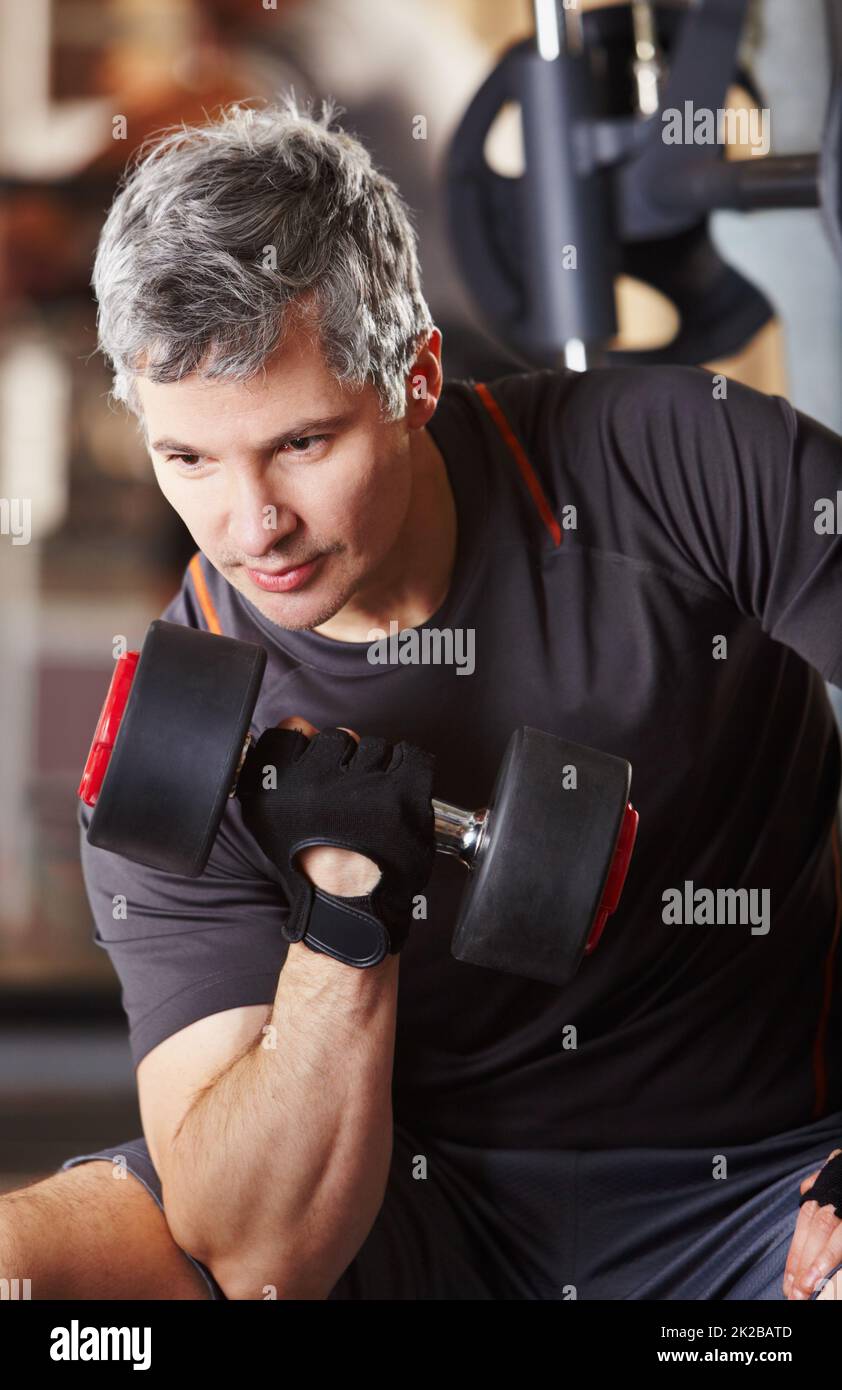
[695, 521]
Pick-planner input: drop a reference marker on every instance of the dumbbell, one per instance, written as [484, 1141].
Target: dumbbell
[547, 859]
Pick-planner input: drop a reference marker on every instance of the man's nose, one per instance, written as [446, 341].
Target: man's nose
[257, 518]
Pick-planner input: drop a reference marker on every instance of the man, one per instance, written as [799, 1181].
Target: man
[631, 558]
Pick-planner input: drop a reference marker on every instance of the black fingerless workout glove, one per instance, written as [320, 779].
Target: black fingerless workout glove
[827, 1187]
[374, 798]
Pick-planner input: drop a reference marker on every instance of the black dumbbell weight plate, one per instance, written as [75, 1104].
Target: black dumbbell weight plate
[543, 862]
[178, 748]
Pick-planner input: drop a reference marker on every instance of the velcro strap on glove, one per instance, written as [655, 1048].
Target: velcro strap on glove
[345, 929]
[372, 798]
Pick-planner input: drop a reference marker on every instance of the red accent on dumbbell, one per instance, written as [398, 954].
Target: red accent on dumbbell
[616, 875]
[107, 727]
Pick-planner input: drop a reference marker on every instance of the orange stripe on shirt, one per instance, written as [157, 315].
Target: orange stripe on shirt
[527, 472]
[205, 600]
[819, 1068]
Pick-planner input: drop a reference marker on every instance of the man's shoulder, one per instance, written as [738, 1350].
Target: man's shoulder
[581, 419]
[533, 389]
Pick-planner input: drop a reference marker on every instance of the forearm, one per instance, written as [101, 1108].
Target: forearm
[278, 1170]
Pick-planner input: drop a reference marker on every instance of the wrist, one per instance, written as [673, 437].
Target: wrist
[317, 969]
[341, 872]
[321, 980]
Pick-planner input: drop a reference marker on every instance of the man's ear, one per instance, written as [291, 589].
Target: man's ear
[431, 351]
[425, 379]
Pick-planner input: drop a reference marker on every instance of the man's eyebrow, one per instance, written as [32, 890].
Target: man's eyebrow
[318, 425]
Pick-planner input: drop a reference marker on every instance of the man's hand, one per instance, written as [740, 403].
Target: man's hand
[338, 871]
[370, 803]
[816, 1246]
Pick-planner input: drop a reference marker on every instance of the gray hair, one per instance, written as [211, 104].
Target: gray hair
[222, 237]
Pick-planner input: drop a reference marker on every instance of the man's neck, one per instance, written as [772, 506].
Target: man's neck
[415, 577]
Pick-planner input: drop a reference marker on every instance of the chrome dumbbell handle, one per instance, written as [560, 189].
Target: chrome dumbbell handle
[457, 832]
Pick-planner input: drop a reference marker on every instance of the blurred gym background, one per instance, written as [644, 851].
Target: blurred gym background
[106, 553]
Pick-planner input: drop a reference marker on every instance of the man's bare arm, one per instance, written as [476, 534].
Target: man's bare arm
[278, 1170]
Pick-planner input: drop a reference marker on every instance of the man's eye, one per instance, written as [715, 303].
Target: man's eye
[306, 439]
[187, 460]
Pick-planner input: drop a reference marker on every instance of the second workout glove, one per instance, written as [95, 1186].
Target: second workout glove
[374, 798]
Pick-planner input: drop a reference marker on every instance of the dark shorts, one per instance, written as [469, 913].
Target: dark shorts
[558, 1224]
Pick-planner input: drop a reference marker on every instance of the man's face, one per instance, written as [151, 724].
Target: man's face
[283, 471]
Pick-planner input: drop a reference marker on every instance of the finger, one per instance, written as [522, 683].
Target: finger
[805, 1215]
[413, 756]
[303, 726]
[811, 1177]
[372, 755]
[796, 1247]
[813, 1220]
[808, 1181]
[826, 1259]
[333, 746]
[822, 1226]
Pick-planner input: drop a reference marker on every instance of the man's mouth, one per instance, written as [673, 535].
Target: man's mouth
[281, 581]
